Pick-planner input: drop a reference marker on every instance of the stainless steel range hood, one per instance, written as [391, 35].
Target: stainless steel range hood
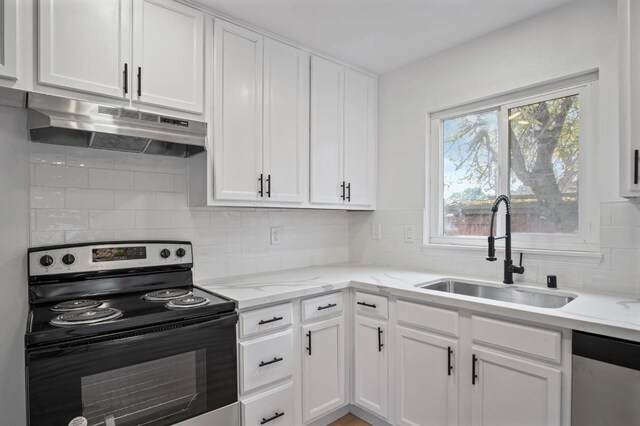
[70, 122]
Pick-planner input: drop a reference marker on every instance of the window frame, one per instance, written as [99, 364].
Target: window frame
[587, 237]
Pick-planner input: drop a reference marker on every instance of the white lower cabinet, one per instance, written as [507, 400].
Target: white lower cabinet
[426, 379]
[323, 368]
[371, 367]
[508, 390]
[266, 360]
[274, 407]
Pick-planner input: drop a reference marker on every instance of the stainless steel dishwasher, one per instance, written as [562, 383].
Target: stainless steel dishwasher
[606, 381]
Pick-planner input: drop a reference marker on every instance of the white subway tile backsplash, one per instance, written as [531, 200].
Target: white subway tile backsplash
[153, 182]
[241, 266]
[76, 198]
[61, 219]
[47, 198]
[110, 179]
[90, 158]
[268, 263]
[172, 201]
[226, 219]
[61, 176]
[136, 162]
[154, 219]
[135, 200]
[179, 183]
[626, 214]
[46, 238]
[44, 153]
[241, 235]
[135, 234]
[255, 218]
[210, 236]
[82, 236]
[173, 165]
[191, 219]
[111, 219]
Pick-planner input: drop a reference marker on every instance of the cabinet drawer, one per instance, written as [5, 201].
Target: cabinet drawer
[429, 317]
[265, 360]
[276, 404]
[533, 341]
[322, 306]
[265, 319]
[372, 305]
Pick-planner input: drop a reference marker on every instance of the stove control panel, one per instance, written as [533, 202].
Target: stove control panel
[92, 257]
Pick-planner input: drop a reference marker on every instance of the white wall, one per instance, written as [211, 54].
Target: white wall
[578, 37]
[14, 232]
[80, 194]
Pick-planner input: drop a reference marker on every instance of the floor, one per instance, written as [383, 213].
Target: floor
[349, 420]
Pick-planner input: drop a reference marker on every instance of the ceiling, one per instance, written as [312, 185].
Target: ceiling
[381, 35]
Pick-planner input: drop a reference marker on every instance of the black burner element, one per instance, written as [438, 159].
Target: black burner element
[89, 316]
[76, 305]
[188, 302]
[167, 294]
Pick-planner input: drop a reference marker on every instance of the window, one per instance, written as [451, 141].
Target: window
[531, 146]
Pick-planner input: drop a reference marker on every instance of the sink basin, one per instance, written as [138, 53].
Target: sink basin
[503, 294]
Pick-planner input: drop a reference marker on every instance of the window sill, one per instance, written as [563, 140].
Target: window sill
[590, 259]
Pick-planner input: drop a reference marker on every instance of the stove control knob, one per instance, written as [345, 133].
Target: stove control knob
[180, 252]
[68, 259]
[46, 260]
[164, 253]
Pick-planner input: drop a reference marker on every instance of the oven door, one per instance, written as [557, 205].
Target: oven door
[158, 375]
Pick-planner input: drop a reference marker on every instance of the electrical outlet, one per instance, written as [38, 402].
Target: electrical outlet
[410, 234]
[276, 235]
[377, 231]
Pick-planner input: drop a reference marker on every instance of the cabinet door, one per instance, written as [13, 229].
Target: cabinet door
[9, 39]
[286, 122]
[327, 131]
[510, 391]
[84, 45]
[371, 365]
[629, 96]
[360, 137]
[168, 55]
[426, 379]
[237, 116]
[323, 368]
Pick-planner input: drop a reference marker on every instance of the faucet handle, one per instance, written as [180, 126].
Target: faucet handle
[492, 249]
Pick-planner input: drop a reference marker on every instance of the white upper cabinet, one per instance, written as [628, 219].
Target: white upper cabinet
[237, 120]
[168, 55]
[327, 136]
[84, 45]
[286, 122]
[360, 138]
[9, 39]
[343, 136]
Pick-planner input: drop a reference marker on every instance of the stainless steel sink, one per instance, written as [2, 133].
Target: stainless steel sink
[503, 294]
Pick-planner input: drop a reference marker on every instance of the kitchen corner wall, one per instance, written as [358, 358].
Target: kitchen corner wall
[578, 37]
[80, 194]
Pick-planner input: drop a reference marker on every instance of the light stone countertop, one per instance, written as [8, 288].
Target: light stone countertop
[613, 315]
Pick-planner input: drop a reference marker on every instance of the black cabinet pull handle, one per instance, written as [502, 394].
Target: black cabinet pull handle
[449, 366]
[343, 188]
[274, 319]
[330, 305]
[349, 192]
[126, 78]
[269, 186]
[275, 416]
[261, 190]
[309, 340]
[474, 375]
[635, 166]
[368, 305]
[380, 344]
[139, 81]
[273, 361]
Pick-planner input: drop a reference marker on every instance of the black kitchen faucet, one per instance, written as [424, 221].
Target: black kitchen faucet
[509, 267]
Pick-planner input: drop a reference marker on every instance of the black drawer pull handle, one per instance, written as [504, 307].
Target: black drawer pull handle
[330, 305]
[380, 345]
[474, 375]
[126, 78]
[343, 188]
[449, 366]
[261, 180]
[268, 186]
[274, 319]
[309, 337]
[635, 166]
[349, 192]
[139, 81]
[275, 416]
[262, 363]
[368, 305]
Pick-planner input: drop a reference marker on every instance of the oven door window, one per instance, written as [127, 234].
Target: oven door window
[157, 376]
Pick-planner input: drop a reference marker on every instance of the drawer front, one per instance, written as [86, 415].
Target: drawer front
[272, 408]
[265, 360]
[322, 306]
[265, 319]
[537, 342]
[372, 305]
[429, 317]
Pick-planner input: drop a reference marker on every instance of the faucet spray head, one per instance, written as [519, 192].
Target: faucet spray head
[492, 249]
